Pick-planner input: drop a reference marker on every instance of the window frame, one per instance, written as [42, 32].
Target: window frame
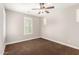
[28, 19]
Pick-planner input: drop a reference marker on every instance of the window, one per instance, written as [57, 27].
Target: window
[77, 15]
[27, 25]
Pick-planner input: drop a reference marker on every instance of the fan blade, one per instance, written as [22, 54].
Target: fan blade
[47, 11]
[50, 7]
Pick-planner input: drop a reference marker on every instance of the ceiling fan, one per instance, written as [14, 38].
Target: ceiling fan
[43, 8]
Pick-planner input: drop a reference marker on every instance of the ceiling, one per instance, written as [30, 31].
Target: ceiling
[27, 7]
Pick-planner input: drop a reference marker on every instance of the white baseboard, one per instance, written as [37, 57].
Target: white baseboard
[22, 40]
[66, 44]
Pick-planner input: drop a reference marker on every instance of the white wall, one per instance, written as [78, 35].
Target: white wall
[15, 27]
[2, 29]
[62, 26]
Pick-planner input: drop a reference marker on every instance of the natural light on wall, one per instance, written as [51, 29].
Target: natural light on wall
[44, 21]
[27, 25]
[77, 15]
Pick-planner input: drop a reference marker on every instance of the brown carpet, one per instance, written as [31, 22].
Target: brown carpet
[39, 47]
